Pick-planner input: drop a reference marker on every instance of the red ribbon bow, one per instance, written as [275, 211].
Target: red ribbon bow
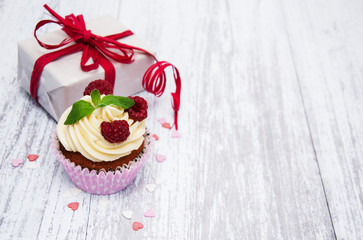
[101, 49]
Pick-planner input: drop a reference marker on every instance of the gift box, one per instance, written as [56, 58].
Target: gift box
[62, 81]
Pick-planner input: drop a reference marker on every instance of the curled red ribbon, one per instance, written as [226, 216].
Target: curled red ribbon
[101, 49]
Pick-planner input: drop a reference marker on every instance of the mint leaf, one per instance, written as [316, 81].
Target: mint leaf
[79, 110]
[101, 105]
[96, 97]
[119, 101]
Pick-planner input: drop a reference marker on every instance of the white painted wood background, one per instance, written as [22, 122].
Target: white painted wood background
[271, 121]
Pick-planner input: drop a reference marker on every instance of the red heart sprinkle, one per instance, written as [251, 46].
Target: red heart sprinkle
[155, 136]
[137, 226]
[166, 125]
[73, 205]
[32, 157]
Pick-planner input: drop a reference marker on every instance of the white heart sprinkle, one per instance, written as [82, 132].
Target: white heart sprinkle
[104, 202]
[150, 187]
[159, 180]
[32, 165]
[127, 214]
[75, 191]
[72, 192]
[67, 194]
[189, 169]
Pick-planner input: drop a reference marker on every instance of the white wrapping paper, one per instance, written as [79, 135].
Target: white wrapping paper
[62, 82]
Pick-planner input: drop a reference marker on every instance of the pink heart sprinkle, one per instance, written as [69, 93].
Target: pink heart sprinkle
[166, 125]
[160, 158]
[175, 134]
[155, 136]
[149, 213]
[162, 120]
[32, 157]
[73, 205]
[137, 226]
[16, 162]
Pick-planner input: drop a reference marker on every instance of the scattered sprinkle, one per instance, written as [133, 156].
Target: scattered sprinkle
[72, 192]
[75, 191]
[175, 134]
[160, 158]
[16, 162]
[150, 187]
[32, 165]
[32, 157]
[137, 226]
[73, 205]
[104, 202]
[149, 213]
[166, 125]
[155, 136]
[162, 120]
[189, 169]
[159, 180]
[67, 194]
[127, 214]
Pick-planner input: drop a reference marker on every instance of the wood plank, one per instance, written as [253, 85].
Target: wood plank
[326, 43]
[255, 173]
[245, 166]
[24, 129]
[60, 221]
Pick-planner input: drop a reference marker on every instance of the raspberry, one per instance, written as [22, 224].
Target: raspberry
[138, 112]
[101, 85]
[116, 131]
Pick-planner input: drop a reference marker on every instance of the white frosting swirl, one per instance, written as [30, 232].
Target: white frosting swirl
[85, 135]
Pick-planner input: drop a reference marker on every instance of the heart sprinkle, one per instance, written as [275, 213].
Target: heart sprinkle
[137, 226]
[73, 205]
[155, 136]
[16, 162]
[104, 202]
[160, 158]
[159, 180]
[150, 187]
[75, 191]
[189, 169]
[166, 125]
[149, 213]
[72, 192]
[162, 120]
[32, 157]
[175, 134]
[127, 214]
[32, 165]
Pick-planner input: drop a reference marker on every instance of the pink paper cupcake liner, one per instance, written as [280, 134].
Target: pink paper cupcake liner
[102, 182]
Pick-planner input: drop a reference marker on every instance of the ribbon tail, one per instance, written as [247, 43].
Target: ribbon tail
[110, 73]
[154, 81]
[43, 61]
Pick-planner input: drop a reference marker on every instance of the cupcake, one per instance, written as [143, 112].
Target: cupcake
[102, 141]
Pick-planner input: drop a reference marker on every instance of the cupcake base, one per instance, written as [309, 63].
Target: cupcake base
[79, 159]
[102, 182]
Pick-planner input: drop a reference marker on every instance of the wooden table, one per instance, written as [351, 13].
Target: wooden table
[271, 122]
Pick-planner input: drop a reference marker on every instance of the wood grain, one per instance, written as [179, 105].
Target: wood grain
[327, 52]
[271, 144]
